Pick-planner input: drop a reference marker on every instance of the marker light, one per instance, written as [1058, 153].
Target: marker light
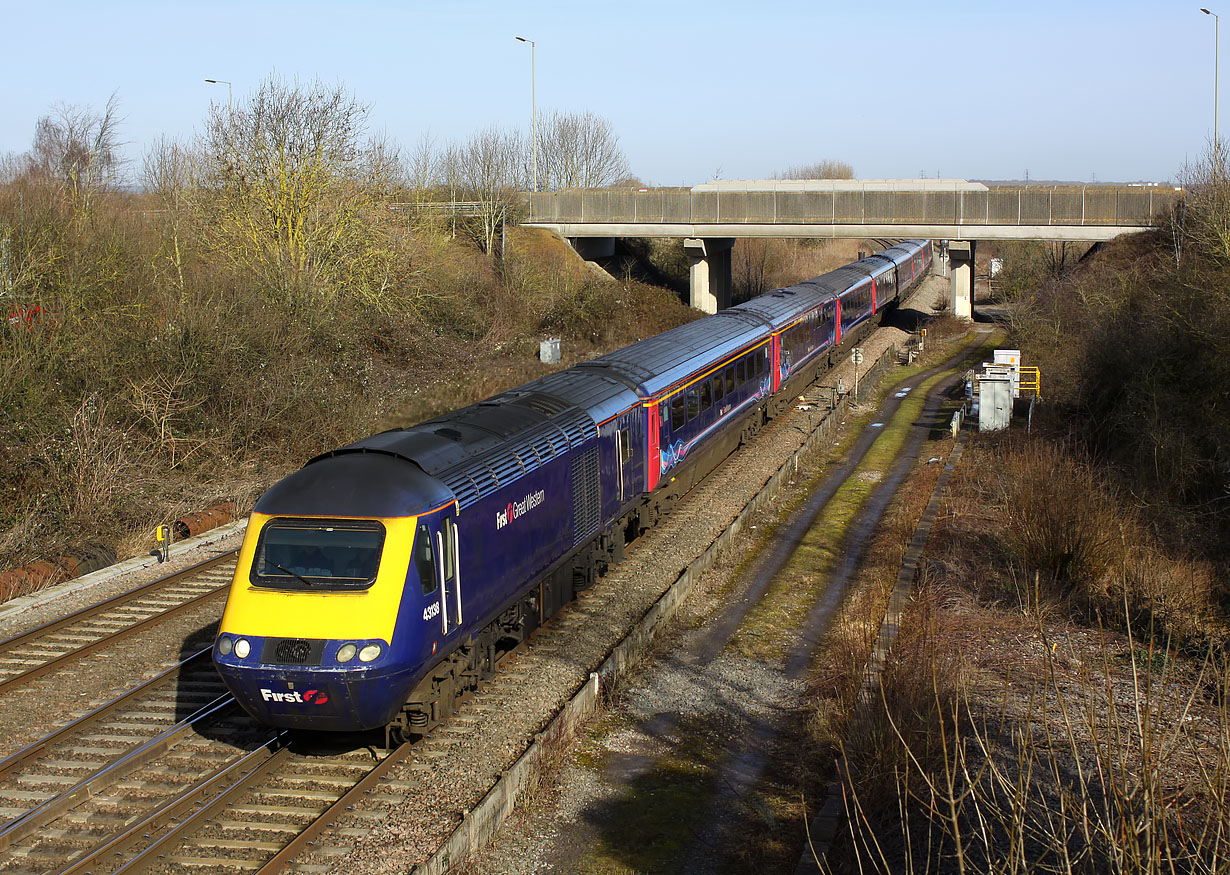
[224, 645]
[346, 652]
[370, 652]
[242, 648]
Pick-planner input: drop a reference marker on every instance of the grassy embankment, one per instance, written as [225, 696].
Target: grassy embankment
[1058, 700]
[144, 389]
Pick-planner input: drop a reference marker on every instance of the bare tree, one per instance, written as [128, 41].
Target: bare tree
[753, 262]
[424, 166]
[825, 169]
[1205, 209]
[489, 170]
[12, 166]
[288, 186]
[579, 150]
[379, 167]
[78, 148]
[167, 171]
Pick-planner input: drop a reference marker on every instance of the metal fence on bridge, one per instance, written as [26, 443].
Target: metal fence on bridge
[998, 205]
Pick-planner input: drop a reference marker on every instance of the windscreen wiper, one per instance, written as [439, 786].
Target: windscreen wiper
[298, 577]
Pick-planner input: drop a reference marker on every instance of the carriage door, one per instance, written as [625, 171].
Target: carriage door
[450, 574]
[627, 471]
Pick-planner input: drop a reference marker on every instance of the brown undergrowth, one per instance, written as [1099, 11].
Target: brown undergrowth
[136, 388]
[1057, 699]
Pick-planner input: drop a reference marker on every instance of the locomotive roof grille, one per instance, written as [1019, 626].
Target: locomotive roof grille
[577, 426]
[479, 476]
[506, 468]
[542, 446]
[463, 487]
[527, 458]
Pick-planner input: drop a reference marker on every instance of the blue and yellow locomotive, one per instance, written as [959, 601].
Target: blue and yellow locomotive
[384, 579]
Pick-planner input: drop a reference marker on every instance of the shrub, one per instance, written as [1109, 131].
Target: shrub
[1060, 519]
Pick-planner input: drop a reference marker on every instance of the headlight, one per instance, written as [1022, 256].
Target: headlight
[370, 652]
[224, 645]
[242, 648]
[346, 652]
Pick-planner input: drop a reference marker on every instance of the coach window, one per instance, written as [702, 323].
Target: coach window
[706, 396]
[424, 559]
[693, 401]
[741, 371]
[678, 413]
[730, 379]
[719, 387]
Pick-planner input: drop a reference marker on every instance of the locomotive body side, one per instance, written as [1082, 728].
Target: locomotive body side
[436, 576]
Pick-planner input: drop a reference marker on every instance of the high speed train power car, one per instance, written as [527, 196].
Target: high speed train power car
[384, 579]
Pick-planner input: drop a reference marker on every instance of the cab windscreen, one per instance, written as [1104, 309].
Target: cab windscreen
[318, 555]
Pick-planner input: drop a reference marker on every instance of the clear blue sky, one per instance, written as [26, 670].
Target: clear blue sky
[1121, 90]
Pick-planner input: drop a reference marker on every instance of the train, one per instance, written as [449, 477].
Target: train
[382, 581]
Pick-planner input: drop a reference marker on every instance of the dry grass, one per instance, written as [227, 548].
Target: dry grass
[1094, 753]
[1018, 733]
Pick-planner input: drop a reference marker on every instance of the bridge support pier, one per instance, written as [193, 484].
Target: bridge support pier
[961, 280]
[710, 273]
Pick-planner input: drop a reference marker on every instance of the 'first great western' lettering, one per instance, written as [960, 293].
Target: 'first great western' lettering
[516, 509]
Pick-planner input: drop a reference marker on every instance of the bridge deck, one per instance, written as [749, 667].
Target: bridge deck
[959, 210]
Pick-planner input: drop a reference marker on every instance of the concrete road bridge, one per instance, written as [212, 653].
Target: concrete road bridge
[710, 217]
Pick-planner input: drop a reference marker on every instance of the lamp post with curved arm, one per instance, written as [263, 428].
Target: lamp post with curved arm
[228, 91]
[533, 106]
[1216, 68]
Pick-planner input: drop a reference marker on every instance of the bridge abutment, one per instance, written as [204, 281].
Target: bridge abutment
[593, 248]
[710, 274]
[961, 278]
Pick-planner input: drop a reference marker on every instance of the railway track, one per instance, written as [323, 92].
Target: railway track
[216, 794]
[52, 646]
[170, 774]
[171, 763]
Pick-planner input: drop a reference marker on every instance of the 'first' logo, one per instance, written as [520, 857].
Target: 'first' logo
[307, 697]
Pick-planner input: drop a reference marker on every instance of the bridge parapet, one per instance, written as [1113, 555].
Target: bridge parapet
[957, 204]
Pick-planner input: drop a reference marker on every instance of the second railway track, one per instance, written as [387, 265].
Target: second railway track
[52, 646]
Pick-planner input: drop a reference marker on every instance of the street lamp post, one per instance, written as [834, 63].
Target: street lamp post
[1216, 69]
[228, 90]
[533, 106]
